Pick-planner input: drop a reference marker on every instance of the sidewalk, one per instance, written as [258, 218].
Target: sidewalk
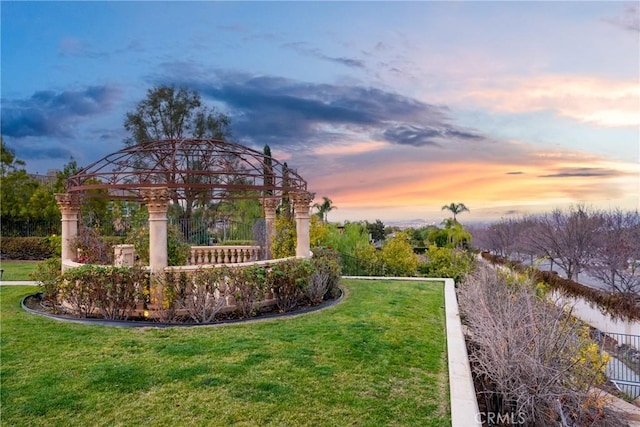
[18, 283]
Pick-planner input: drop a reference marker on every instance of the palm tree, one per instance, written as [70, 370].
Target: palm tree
[324, 208]
[455, 209]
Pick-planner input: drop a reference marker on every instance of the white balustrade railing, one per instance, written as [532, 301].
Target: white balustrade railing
[203, 255]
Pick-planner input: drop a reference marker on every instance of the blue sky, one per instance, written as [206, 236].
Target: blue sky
[391, 109]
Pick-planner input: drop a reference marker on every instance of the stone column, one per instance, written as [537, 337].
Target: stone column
[270, 204]
[157, 201]
[69, 204]
[301, 203]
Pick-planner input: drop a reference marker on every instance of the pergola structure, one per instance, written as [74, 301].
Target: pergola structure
[186, 172]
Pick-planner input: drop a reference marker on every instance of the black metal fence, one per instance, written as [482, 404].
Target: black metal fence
[29, 228]
[623, 368]
[352, 266]
[195, 232]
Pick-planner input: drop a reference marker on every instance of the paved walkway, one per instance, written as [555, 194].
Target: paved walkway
[18, 283]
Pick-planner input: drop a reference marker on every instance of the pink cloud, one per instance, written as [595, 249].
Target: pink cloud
[603, 102]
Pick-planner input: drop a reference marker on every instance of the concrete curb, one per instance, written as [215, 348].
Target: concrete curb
[462, 392]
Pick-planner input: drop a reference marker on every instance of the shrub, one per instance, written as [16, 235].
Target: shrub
[114, 291]
[447, 262]
[91, 247]
[49, 275]
[318, 231]
[353, 240]
[529, 356]
[398, 256]
[200, 296]
[289, 279]
[76, 290]
[26, 248]
[55, 244]
[284, 242]
[177, 249]
[325, 276]
[175, 287]
[247, 286]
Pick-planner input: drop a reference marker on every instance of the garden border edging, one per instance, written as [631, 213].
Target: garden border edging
[160, 325]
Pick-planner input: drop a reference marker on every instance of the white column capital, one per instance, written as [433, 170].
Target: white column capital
[69, 203]
[270, 204]
[156, 198]
[301, 202]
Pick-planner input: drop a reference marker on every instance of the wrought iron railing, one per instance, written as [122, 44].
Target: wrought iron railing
[623, 368]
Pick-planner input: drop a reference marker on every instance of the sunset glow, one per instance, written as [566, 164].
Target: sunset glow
[391, 109]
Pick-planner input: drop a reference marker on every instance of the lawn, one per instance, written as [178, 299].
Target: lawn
[17, 270]
[377, 358]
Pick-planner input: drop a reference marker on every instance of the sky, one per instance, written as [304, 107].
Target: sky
[390, 109]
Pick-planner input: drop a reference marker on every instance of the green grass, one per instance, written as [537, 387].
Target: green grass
[377, 358]
[17, 270]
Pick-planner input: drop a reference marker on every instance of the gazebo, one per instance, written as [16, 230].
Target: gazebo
[185, 171]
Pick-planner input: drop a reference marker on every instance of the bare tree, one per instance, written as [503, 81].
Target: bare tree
[503, 237]
[566, 237]
[616, 252]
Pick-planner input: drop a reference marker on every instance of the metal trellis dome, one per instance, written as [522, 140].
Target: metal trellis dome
[203, 169]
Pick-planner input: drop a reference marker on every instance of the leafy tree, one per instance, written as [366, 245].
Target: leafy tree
[286, 207]
[17, 186]
[95, 211]
[420, 236]
[172, 113]
[456, 208]
[42, 204]
[268, 177]
[176, 113]
[376, 229]
[8, 161]
[324, 208]
[353, 237]
[453, 236]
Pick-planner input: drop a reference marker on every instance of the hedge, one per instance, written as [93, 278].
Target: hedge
[38, 248]
[26, 248]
